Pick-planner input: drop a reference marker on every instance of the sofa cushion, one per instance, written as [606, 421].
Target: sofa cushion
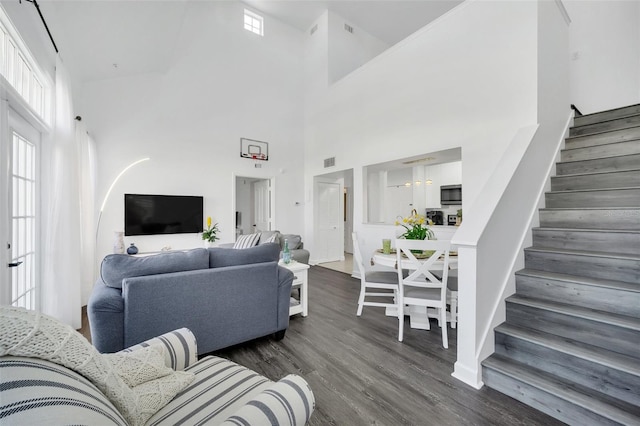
[32, 334]
[116, 267]
[269, 237]
[246, 241]
[293, 240]
[43, 392]
[220, 257]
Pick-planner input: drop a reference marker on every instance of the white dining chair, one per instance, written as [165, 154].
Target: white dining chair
[426, 283]
[452, 296]
[379, 280]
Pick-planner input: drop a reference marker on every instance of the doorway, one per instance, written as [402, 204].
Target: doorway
[333, 225]
[254, 204]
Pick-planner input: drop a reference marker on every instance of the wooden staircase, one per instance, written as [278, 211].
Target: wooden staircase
[570, 346]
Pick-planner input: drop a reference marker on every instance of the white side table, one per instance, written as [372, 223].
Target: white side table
[300, 279]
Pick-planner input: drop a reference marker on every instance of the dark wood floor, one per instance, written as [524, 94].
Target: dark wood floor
[360, 373]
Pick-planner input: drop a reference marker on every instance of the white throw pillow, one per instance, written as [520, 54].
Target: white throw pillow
[246, 241]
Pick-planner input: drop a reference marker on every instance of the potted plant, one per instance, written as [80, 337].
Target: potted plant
[210, 235]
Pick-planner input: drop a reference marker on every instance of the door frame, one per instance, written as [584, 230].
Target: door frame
[272, 197]
[316, 223]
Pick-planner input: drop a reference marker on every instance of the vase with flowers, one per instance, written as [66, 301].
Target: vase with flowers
[417, 227]
[210, 235]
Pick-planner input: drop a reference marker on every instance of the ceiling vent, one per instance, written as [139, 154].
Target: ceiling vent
[329, 162]
[348, 28]
[313, 29]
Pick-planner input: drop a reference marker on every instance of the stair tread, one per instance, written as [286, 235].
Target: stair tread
[622, 321]
[568, 138]
[626, 256]
[565, 191]
[607, 120]
[607, 110]
[581, 396]
[588, 174]
[595, 282]
[608, 157]
[591, 208]
[568, 346]
[592, 230]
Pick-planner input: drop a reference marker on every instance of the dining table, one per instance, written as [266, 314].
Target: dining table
[391, 259]
[418, 315]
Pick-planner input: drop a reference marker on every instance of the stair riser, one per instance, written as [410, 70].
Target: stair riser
[591, 219]
[628, 197]
[547, 403]
[596, 181]
[608, 380]
[606, 126]
[617, 269]
[602, 138]
[600, 151]
[583, 295]
[614, 242]
[612, 164]
[583, 120]
[603, 335]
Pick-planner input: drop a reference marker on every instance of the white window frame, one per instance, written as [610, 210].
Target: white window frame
[253, 22]
[21, 72]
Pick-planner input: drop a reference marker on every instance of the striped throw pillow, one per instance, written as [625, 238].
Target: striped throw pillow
[246, 241]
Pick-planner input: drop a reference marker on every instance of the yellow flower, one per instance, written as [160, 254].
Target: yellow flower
[209, 222]
[405, 219]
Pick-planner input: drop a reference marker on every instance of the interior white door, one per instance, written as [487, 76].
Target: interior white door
[261, 206]
[22, 212]
[330, 222]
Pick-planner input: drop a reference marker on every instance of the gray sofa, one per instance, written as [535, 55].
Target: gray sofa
[224, 297]
[296, 246]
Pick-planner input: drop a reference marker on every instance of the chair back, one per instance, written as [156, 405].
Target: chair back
[357, 255]
[422, 270]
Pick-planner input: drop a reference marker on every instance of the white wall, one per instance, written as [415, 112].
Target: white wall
[225, 83]
[433, 91]
[605, 49]
[348, 51]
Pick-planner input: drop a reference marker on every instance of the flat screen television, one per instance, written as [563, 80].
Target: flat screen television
[162, 214]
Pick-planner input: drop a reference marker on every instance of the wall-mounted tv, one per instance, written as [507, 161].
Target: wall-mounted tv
[162, 214]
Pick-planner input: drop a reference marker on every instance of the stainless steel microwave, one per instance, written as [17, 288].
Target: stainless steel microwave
[451, 195]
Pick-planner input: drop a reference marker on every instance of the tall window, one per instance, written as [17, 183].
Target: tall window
[19, 69]
[253, 22]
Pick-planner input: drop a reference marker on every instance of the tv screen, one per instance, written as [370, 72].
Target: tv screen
[162, 214]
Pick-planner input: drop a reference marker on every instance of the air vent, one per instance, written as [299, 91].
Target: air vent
[314, 29]
[329, 162]
[348, 28]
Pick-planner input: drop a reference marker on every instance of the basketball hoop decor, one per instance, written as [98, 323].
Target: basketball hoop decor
[254, 150]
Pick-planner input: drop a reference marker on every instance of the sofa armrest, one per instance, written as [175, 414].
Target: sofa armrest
[181, 348]
[289, 401]
[105, 312]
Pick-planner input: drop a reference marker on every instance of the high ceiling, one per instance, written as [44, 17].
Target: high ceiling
[110, 38]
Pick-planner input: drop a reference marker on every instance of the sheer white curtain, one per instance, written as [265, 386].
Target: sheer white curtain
[87, 184]
[67, 210]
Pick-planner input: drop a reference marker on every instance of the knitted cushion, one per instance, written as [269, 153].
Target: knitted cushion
[141, 365]
[31, 334]
[246, 241]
